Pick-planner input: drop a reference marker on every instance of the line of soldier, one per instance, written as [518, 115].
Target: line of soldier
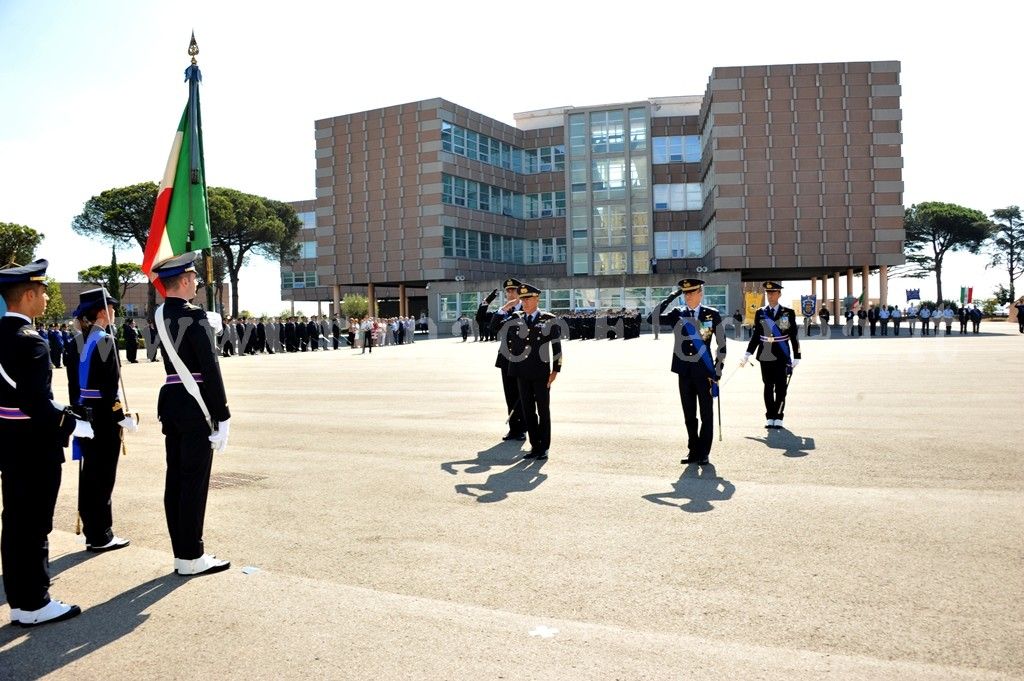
[931, 317]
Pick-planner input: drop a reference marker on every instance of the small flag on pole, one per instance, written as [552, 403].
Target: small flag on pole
[808, 304]
[913, 294]
[181, 221]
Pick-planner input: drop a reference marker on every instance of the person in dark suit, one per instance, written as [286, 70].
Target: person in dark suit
[34, 431]
[963, 316]
[775, 345]
[531, 341]
[694, 325]
[336, 331]
[93, 382]
[261, 336]
[194, 424]
[516, 424]
[291, 335]
[153, 342]
[302, 330]
[872, 319]
[131, 342]
[313, 331]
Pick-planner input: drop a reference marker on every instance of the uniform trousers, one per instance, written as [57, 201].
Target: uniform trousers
[535, 406]
[189, 459]
[30, 487]
[695, 396]
[96, 485]
[774, 375]
[510, 386]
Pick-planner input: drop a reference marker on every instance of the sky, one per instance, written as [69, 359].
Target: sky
[93, 91]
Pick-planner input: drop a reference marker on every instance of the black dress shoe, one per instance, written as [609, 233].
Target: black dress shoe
[689, 459]
[514, 436]
[703, 462]
[532, 454]
[542, 456]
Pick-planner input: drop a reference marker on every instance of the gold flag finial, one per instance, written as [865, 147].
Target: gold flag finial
[193, 48]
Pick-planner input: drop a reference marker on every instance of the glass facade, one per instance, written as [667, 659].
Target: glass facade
[308, 219]
[470, 144]
[457, 191]
[678, 196]
[688, 244]
[473, 245]
[678, 149]
[290, 280]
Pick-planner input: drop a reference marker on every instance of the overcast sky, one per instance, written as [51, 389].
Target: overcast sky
[93, 90]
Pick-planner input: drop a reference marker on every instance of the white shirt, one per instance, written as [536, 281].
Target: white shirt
[18, 314]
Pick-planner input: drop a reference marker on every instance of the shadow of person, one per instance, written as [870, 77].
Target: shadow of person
[792, 445]
[525, 476]
[697, 487]
[501, 454]
[64, 561]
[47, 648]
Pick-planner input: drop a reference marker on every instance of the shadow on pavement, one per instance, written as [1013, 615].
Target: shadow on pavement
[696, 488]
[525, 476]
[64, 561]
[793, 446]
[501, 454]
[47, 648]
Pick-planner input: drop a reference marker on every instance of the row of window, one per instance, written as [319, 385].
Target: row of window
[458, 191]
[609, 132]
[478, 147]
[688, 244]
[451, 305]
[298, 280]
[677, 149]
[678, 196]
[473, 245]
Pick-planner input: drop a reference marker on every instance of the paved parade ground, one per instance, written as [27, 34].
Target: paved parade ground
[394, 536]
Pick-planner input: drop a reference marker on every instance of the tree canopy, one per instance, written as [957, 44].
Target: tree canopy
[55, 308]
[242, 224]
[934, 229]
[1006, 247]
[18, 243]
[129, 275]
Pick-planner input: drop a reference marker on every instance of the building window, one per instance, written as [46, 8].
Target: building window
[688, 244]
[577, 136]
[678, 149]
[610, 262]
[677, 196]
[637, 129]
[580, 263]
[307, 249]
[717, 297]
[609, 226]
[308, 219]
[292, 280]
[608, 179]
[448, 304]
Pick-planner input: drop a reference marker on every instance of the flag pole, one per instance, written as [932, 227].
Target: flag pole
[198, 169]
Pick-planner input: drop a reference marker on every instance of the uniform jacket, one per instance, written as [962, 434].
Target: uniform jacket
[493, 320]
[190, 332]
[764, 344]
[523, 342]
[103, 377]
[25, 357]
[686, 361]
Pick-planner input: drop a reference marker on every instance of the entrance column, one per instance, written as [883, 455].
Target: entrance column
[371, 297]
[814, 294]
[835, 295]
[849, 282]
[866, 276]
[883, 285]
[403, 304]
[336, 292]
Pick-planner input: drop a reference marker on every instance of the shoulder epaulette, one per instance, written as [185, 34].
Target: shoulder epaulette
[29, 332]
[713, 309]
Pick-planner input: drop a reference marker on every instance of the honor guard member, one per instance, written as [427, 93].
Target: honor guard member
[523, 336]
[193, 413]
[93, 378]
[693, 327]
[775, 345]
[34, 431]
[516, 424]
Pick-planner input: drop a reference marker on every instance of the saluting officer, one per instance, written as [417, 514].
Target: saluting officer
[193, 411]
[523, 336]
[775, 344]
[693, 326]
[34, 431]
[93, 377]
[516, 424]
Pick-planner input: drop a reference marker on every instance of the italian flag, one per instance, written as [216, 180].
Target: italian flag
[181, 222]
[966, 294]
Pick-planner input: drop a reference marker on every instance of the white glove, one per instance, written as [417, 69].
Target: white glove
[128, 423]
[219, 437]
[746, 358]
[83, 429]
[796, 363]
[216, 322]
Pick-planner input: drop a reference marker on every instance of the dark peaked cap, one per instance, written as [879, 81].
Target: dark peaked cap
[172, 267]
[690, 285]
[527, 291]
[20, 274]
[512, 283]
[93, 300]
[772, 286]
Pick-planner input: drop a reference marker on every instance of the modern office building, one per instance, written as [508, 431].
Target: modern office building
[784, 172]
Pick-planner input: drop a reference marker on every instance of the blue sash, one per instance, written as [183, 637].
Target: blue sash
[703, 351]
[775, 332]
[84, 362]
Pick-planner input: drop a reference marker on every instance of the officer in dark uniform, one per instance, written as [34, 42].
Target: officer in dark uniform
[962, 316]
[693, 327]
[192, 427]
[516, 424]
[93, 378]
[34, 431]
[523, 336]
[131, 341]
[775, 344]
